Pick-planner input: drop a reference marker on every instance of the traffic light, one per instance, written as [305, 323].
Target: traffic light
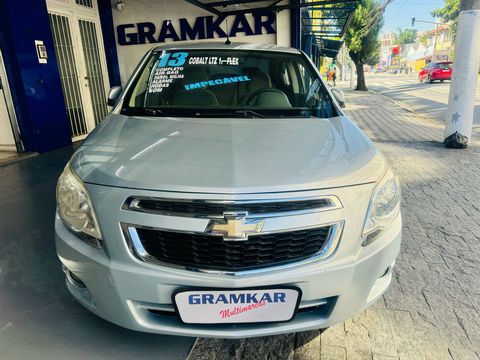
[413, 21]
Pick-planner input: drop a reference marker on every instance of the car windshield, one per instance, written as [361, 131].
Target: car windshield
[444, 66]
[219, 83]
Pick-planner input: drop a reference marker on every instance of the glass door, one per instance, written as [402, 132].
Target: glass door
[69, 74]
[93, 69]
[79, 49]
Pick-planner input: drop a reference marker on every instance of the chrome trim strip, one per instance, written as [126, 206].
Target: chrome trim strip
[328, 249]
[73, 282]
[312, 303]
[170, 308]
[131, 204]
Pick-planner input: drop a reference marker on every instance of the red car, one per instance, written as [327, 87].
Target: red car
[436, 71]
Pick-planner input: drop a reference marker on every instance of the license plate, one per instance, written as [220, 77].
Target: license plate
[445, 70]
[237, 306]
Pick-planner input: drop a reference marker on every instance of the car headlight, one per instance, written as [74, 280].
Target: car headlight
[75, 208]
[384, 207]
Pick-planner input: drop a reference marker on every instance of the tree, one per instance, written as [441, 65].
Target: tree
[423, 39]
[361, 38]
[449, 13]
[407, 36]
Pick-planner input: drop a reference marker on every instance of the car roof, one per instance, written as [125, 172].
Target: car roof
[220, 45]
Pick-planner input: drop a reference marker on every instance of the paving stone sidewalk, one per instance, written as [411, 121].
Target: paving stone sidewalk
[432, 310]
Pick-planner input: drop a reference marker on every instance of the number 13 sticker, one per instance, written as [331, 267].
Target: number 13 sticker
[173, 59]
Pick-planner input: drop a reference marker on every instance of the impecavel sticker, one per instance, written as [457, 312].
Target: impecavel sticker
[220, 81]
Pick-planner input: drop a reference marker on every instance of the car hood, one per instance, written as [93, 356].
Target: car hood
[228, 156]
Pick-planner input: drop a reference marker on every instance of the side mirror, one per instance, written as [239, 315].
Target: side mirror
[339, 96]
[113, 95]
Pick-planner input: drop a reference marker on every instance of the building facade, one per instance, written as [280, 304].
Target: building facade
[387, 41]
[58, 58]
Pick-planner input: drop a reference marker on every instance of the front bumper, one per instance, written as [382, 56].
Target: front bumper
[138, 296]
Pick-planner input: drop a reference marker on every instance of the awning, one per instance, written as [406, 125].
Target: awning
[325, 21]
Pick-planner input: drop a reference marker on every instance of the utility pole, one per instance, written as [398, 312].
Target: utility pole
[435, 42]
[461, 102]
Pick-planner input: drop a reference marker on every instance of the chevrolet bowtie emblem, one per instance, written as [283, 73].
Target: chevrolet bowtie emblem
[234, 226]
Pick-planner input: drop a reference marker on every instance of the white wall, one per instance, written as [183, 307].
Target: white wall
[283, 28]
[7, 142]
[156, 11]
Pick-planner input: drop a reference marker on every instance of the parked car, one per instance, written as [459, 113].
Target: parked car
[379, 70]
[227, 195]
[436, 71]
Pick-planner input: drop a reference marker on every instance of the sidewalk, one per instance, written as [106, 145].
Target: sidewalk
[432, 310]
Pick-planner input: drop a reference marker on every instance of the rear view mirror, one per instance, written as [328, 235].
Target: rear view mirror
[339, 96]
[113, 95]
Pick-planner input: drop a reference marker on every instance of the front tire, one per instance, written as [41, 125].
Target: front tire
[429, 80]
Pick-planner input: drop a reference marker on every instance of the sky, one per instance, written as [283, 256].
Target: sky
[400, 12]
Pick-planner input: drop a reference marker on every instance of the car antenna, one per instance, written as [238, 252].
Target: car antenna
[227, 42]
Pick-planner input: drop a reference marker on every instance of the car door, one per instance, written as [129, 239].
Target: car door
[421, 74]
[431, 67]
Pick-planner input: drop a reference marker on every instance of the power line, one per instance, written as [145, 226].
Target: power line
[374, 16]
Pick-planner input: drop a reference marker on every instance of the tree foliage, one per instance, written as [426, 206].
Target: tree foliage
[449, 13]
[407, 36]
[361, 38]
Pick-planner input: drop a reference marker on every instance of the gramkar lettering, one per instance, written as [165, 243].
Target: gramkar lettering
[240, 298]
[203, 27]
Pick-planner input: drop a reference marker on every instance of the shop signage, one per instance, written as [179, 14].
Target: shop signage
[203, 27]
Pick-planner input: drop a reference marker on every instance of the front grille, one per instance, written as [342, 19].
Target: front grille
[208, 252]
[218, 207]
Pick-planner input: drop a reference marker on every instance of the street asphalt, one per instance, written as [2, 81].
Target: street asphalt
[427, 99]
[39, 319]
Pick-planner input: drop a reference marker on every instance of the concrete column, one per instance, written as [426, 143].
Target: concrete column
[352, 75]
[459, 121]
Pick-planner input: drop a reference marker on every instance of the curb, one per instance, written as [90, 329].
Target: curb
[18, 158]
[396, 102]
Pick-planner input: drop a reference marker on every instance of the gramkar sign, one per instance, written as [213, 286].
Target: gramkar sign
[203, 27]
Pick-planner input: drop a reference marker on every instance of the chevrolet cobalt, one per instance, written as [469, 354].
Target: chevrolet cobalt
[227, 195]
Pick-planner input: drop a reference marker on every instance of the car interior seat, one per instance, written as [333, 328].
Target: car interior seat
[259, 81]
[268, 98]
[197, 97]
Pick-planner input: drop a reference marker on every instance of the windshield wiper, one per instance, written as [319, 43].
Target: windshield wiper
[142, 111]
[249, 112]
[153, 111]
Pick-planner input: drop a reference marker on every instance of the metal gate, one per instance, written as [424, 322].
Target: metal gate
[94, 71]
[79, 50]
